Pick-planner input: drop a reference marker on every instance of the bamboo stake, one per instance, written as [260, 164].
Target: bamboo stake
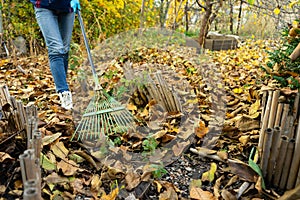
[293, 176]
[265, 122]
[264, 100]
[169, 95]
[22, 158]
[287, 164]
[162, 93]
[280, 160]
[296, 159]
[31, 170]
[278, 114]
[273, 109]
[37, 142]
[273, 152]
[31, 183]
[21, 109]
[176, 100]
[266, 150]
[31, 194]
[28, 167]
[288, 126]
[296, 106]
[285, 112]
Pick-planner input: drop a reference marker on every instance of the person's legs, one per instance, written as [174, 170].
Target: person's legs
[66, 23]
[57, 40]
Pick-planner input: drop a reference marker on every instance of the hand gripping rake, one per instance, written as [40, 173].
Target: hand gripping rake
[103, 114]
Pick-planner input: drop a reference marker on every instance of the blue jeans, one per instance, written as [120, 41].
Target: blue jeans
[57, 30]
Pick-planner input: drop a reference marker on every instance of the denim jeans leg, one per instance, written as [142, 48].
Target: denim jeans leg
[66, 62]
[57, 31]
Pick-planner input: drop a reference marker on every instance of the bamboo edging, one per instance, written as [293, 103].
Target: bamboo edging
[264, 122]
[294, 175]
[273, 152]
[280, 160]
[287, 163]
[266, 150]
[273, 108]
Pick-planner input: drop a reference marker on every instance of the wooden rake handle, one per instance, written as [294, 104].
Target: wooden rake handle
[96, 79]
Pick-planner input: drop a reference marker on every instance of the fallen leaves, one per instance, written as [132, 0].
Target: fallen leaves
[199, 194]
[69, 170]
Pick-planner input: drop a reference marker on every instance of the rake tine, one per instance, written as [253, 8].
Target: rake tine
[93, 125]
[120, 119]
[110, 123]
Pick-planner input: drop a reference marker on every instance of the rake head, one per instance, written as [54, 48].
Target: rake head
[103, 116]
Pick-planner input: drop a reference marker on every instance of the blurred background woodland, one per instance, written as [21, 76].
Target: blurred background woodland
[258, 19]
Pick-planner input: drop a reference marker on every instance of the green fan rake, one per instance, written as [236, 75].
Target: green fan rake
[103, 115]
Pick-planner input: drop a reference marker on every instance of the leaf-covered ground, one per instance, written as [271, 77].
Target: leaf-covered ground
[200, 151]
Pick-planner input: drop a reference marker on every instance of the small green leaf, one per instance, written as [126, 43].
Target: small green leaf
[251, 2]
[255, 167]
[46, 163]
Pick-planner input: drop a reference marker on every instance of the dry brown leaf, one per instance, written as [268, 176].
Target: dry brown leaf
[96, 182]
[244, 139]
[132, 180]
[232, 181]
[4, 156]
[59, 150]
[54, 178]
[226, 195]
[68, 167]
[217, 187]
[50, 138]
[167, 138]
[243, 170]
[168, 194]
[179, 147]
[159, 134]
[199, 194]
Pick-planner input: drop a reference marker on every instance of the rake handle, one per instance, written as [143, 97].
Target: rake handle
[96, 79]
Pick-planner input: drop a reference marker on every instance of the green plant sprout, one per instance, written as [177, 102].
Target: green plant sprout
[159, 171]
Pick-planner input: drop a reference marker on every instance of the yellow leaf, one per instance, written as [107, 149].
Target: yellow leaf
[158, 185]
[291, 5]
[131, 107]
[238, 90]
[210, 175]
[295, 24]
[111, 196]
[276, 11]
[254, 107]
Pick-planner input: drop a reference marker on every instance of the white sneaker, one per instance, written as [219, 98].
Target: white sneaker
[66, 100]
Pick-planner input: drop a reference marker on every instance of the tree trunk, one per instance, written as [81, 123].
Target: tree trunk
[239, 18]
[186, 9]
[142, 15]
[231, 16]
[163, 10]
[205, 22]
